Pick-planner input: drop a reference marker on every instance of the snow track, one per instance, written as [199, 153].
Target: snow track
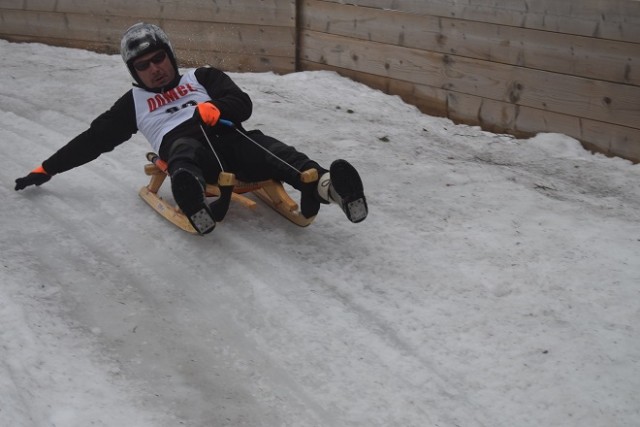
[494, 283]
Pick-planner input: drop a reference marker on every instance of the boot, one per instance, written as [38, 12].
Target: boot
[188, 192]
[309, 202]
[343, 186]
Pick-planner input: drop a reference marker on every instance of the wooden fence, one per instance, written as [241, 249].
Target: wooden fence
[518, 67]
[238, 35]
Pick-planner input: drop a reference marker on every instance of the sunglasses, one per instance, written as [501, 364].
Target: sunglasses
[156, 59]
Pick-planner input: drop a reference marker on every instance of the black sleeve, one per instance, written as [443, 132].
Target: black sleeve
[107, 131]
[233, 103]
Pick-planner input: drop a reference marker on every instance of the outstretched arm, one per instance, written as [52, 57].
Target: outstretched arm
[106, 132]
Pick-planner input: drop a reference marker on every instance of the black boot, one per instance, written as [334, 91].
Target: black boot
[188, 192]
[346, 189]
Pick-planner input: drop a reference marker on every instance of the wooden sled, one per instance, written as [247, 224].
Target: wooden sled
[270, 191]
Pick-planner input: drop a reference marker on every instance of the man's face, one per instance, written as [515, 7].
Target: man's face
[154, 69]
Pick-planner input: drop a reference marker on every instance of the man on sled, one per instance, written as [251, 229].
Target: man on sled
[193, 122]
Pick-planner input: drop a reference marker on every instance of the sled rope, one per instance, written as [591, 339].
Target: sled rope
[212, 149]
[232, 125]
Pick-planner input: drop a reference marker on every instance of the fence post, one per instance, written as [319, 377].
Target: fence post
[298, 10]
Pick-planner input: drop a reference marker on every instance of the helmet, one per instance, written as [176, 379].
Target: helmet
[142, 38]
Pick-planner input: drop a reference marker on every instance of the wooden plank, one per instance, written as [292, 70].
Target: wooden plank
[237, 62]
[228, 48]
[611, 19]
[96, 29]
[598, 100]
[428, 99]
[410, 65]
[263, 12]
[232, 38]
[611, 139]
[560, 53]
[576, 55]
[18, 4]
[503, 117]
[225, 62]
[75, 44]
[500, 117]
[109, 29]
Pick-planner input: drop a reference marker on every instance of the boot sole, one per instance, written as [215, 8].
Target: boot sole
[189, 195]
[347, 184]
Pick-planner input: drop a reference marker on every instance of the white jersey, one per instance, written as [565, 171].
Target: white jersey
[159, 113]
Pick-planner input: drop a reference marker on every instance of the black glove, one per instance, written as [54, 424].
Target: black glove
[38, 176]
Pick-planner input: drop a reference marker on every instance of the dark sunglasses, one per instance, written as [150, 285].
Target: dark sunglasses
[156, 59]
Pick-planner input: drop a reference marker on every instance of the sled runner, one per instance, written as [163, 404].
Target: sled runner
[270, 191]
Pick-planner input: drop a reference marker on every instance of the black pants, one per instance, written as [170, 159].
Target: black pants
[238, 155]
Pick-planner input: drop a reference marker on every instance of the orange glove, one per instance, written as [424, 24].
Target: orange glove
[38, 176]
[207, 113]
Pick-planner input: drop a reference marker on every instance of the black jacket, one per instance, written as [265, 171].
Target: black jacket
[118, 124]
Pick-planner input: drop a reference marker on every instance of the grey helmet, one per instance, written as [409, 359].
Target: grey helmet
[140, 39]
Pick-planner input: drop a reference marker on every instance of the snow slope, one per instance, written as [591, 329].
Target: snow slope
[495, 282]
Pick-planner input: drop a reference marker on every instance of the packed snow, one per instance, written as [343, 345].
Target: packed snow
[495, 283]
